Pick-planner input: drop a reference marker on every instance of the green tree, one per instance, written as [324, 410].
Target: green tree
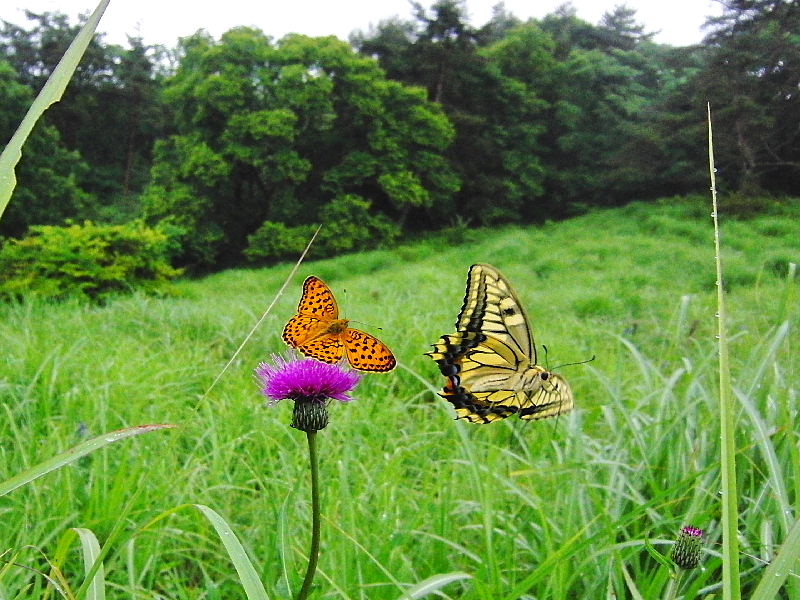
[664, 150]
[47, 189]
[276, 132]
[86, 260]
[498, 122]
[619, 29]
[109, 113]
[752, 80]
[498, 26]
[607, 136]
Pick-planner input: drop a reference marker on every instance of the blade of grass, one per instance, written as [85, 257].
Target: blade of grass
[49, 95]
[247, 574]
[774, 471]
[283, 542]
[74, 454]
[730, 517]
[116, 530]
[781, 567]
[788, 300]
[432, 584]
[91, 554]
[756, 375]
[479, 482]
[629, 582]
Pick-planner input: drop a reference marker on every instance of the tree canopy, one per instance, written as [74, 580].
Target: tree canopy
[237, 147]
[279, 132]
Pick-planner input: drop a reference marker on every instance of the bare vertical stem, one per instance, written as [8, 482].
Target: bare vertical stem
[731, 589]
[313, 555]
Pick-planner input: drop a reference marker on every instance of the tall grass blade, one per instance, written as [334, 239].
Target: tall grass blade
[730, 516]
[252, 585]
[756, 375]
[781, 567]
[788, 299]
[772, 464]
[91, 554]
[50, 94]
[630, 583]
[374, 559]
[284, 543]
[286, 282]
[432, 584]
[74, 454]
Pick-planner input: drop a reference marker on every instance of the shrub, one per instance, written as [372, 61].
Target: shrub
[90, 260]
[347, 226]
[741, 205]
[275, 241]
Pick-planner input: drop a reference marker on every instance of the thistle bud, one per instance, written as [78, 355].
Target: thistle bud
[310, 415]
[686, 552]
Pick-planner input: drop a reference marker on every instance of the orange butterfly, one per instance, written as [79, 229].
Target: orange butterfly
[317, 331]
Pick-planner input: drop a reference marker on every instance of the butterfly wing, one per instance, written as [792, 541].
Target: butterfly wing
[301, 329]
[367, 353]
[551, 398]
[554, 397]
[317, 309]
[317, 331]
[491, 307]
[475, 360]
[327, 348]
[490, 362]
[317, 300]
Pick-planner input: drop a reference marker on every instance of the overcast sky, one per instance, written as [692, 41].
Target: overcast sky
[163, 21]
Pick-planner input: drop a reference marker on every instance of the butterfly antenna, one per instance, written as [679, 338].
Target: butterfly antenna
[264, 316]
[365, 324]
[582, 362]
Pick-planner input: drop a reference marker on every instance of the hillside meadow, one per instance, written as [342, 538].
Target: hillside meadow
[555, 509]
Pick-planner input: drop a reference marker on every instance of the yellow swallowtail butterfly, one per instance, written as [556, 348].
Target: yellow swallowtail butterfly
[490, 361]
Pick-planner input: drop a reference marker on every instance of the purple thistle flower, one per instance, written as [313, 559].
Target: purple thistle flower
[692, 531]
[686, 552]
[310, 383]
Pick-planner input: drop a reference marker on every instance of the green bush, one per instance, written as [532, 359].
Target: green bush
[347, 226]
[276, 241]
[90, 260]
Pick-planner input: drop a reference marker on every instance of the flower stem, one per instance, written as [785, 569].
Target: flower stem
[313, 554]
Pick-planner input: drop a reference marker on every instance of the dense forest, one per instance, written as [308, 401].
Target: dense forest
[235, 149]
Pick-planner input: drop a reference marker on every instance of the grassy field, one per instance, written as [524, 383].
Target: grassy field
[559, 509]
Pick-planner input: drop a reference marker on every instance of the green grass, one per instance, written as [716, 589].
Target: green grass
[546, 510]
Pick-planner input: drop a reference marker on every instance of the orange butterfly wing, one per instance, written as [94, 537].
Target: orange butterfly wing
[317, 331]
[367, 353]
[317, 300]
[316, 311]
[302, 329]
[327, 348]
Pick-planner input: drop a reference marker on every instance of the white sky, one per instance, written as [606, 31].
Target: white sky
[163, 21]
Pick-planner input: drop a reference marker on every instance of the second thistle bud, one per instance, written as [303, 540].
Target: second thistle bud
[686, 553]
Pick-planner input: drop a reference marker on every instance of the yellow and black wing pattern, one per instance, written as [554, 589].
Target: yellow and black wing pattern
[490, 361]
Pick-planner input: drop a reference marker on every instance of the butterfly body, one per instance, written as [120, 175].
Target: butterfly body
[490, 362]
[317, 331]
